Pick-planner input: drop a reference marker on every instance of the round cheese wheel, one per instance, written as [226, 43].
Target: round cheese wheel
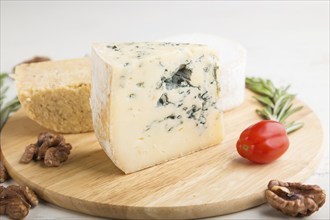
[232, 57]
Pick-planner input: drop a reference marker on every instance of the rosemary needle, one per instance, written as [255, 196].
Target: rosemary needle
[277, 102]
[6, 108]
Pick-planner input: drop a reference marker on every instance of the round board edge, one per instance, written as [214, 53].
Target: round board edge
[178, 212]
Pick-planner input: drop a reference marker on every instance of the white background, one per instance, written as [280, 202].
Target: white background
[287, 42]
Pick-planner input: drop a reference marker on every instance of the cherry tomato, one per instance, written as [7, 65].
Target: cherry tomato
[263, 142]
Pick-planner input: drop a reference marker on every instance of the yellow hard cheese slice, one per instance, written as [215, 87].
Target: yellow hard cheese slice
[56, 94]
[153, 102]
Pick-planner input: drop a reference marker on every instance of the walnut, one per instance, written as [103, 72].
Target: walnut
[55, 156]
[16, 201]
[295, 199]
[47, 140]
[29, 153]
[37, 59]
[25, 193]
[51, 148]
[51, 138]
[3, 172]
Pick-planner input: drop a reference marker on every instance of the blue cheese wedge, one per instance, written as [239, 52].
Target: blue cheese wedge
[232, 62]
[153, 102]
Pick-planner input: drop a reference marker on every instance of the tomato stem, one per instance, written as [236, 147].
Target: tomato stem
[245, 147]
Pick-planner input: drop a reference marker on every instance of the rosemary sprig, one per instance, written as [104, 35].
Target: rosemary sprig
[277, 102]
[6, 108]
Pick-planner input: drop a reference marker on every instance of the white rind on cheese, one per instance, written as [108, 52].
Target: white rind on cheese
[55, 94]
[153, 102]
[232, 64]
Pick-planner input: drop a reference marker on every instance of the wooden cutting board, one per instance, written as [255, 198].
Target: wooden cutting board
[211, 182]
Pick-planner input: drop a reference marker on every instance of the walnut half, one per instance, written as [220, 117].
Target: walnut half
[295, 199]
[3, 172]
[15, 201]
[50, 148]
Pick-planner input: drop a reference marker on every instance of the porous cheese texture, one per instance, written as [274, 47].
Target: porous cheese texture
[232, 61]
[55, 94]
[153, 102]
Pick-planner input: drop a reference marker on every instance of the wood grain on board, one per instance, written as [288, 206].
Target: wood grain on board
[211, 182]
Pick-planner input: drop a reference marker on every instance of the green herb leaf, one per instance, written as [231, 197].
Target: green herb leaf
[6, 108]
[277, 102]
[294, 126]
[264, 100]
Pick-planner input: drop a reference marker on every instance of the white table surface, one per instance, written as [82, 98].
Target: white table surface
[287, 42]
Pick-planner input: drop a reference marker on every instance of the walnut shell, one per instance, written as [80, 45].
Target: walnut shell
[15, 201]
[295, 199]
